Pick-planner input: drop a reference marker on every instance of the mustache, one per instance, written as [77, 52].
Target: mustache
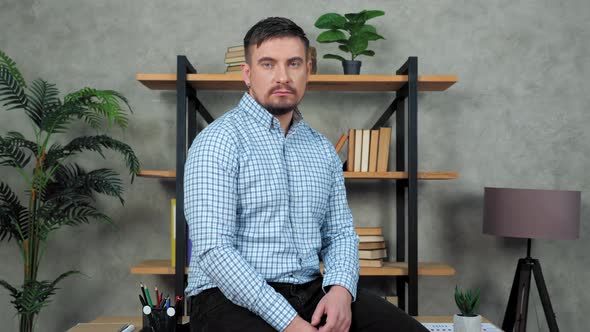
[279, 87]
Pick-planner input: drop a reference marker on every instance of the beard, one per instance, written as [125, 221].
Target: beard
[278, 108]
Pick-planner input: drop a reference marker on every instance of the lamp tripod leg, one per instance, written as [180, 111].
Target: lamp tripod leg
[510, 315]
[515, 318]
[544, 295]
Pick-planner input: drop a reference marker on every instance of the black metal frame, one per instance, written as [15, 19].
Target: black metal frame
[407, 93]
[516, 311]
[188, 105]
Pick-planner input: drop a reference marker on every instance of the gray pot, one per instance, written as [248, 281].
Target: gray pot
[351, 67]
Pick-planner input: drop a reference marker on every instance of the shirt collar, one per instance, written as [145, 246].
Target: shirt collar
[262, 116]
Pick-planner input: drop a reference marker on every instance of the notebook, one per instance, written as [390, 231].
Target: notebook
[448, 327]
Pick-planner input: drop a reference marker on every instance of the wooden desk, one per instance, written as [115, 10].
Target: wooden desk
[114, 323]
[111, 324]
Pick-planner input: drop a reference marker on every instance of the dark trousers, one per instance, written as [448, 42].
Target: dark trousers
[211, 311]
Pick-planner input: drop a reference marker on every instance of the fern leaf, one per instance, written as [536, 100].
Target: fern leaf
[14, 217]
[13, 291]
[11, 153]
[12, 94]
[10, 65]
[43, 98]
[100, 142]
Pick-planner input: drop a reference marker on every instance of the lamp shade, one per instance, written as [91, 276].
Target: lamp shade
[532, 213]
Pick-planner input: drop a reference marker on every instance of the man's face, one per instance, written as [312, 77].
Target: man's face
[277, 73]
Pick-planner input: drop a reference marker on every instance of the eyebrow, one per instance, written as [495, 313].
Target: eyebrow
[274, 60]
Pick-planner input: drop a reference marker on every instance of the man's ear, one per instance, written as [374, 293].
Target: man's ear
[308, 67]
[246, 74]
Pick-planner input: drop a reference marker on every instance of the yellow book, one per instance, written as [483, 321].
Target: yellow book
[368, 230]
[383, 154]
[351, 146]
[370, 262]
[371, 245]
[372, 254]
[373, 152]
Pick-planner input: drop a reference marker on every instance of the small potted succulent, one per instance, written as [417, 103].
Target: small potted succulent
[468, 320]
[357, 41]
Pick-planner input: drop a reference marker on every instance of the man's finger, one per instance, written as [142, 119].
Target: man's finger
[317, 314]
[331, 321]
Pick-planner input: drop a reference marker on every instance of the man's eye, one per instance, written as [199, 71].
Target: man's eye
[266, 65]
[295, 64]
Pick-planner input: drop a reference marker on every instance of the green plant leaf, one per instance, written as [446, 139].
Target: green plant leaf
[34, 295]
[330, 36]
[10, 65]
[330, 21]
[367, 53]
[357, 45]
[11, 153]
[97, 144]
[372, 36]
[344, 48]
[14, 218]
[369, 14]
[9, 287]
[355, 17]
[12, 94]
[43, 97]
[334, 56]
[367, 28]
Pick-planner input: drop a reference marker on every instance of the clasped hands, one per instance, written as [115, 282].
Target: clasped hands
[335, 305]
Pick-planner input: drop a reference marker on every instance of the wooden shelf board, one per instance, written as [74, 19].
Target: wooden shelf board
[373, 83]
[401, 175]
[162, 266]
[157, 174]
[401, 269]
[135, 320]
[154, 266]
[347, 175]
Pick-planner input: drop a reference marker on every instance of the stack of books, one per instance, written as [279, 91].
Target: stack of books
[368, 150]
[372, 248]
[234, 58]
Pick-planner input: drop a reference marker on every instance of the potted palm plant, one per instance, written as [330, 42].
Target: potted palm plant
[468, 320]
[60, 192]
[357, 41]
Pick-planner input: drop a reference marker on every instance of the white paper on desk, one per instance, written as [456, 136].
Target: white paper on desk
[448, 327]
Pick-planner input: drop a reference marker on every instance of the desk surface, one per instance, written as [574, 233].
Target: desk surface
[114, 323]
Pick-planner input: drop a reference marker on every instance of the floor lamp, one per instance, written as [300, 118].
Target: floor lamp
[530, 214]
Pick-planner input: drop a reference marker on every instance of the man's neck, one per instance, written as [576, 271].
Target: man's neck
[285, 121]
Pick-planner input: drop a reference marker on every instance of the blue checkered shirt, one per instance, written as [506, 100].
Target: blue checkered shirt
[264, 207]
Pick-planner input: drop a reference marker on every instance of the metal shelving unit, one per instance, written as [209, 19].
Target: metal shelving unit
[406, 84]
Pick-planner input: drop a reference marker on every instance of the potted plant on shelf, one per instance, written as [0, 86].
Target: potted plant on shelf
[468, 320]
[60, 191]
[357, 42]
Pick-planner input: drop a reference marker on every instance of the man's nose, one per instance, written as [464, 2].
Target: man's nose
[282, 75]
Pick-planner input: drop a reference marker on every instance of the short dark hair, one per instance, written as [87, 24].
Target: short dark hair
[273, 27]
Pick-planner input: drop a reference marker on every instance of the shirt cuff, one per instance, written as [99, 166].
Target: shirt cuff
[275, 309]
[341, 279]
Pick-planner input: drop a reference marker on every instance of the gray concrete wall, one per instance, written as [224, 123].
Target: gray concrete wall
[517, 118]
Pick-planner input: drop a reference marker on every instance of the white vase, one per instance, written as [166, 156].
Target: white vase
[466, 324]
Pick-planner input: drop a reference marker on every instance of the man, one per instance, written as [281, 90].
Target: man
[265, 201]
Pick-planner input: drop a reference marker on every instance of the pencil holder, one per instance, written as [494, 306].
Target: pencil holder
[158, 319]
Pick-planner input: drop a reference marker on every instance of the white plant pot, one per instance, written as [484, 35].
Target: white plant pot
[466, 324]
